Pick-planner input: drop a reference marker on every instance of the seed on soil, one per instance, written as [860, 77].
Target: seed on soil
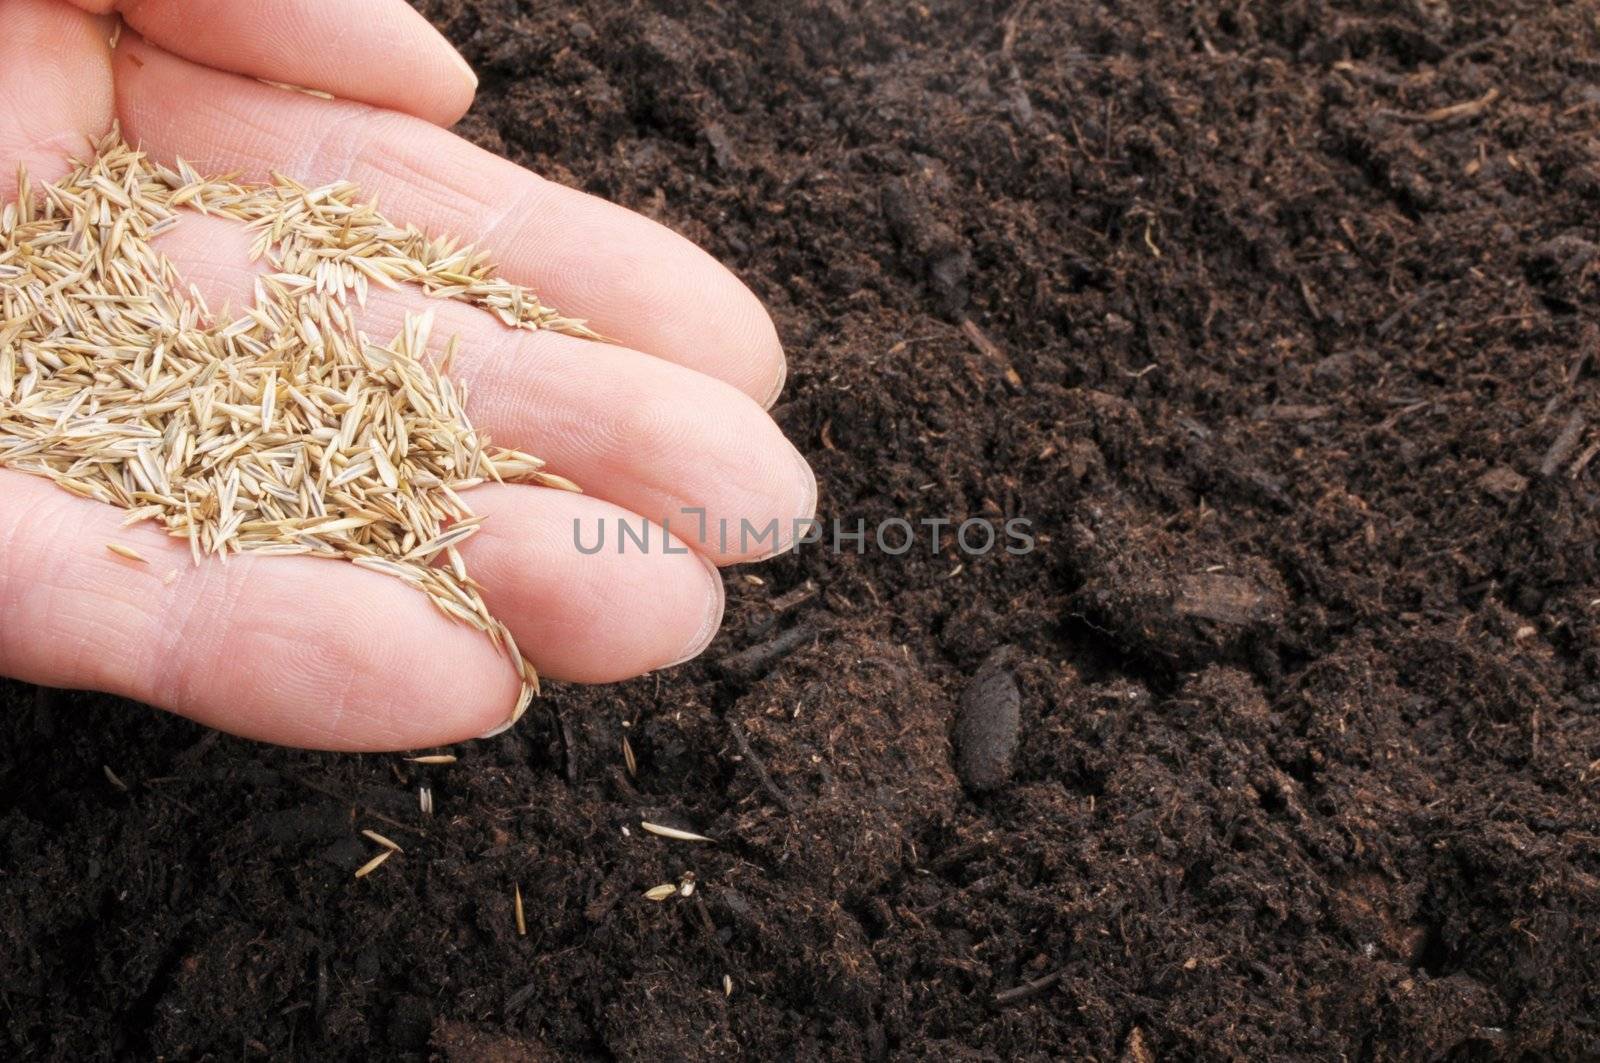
[372, 865]
[381, 840]
[727, 985]
[522, 922]
[673, 832]
[628, 759]
[127, 552]
[434, 758]
[661, 892]
[284, 430]
[113, 779]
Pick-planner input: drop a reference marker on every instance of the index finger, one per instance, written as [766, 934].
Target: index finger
[379, 52]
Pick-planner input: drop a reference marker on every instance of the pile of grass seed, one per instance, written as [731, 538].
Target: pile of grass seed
[283, 431]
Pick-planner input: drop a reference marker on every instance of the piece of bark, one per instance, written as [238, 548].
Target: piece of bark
[988, 724]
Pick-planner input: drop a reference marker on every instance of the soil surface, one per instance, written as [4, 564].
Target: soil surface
[1279, 323]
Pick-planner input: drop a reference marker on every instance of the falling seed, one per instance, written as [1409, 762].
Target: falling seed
[522, 923]
[128, 552]
[372, 865]
[112, 778]
[754, 580]
[627, 758]
[727, 985]
[381, 840]
[661, 892]
[434, 758]
[425, 800]
[673, 832]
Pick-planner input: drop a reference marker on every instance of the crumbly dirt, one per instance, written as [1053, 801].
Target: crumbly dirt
[1283, 335]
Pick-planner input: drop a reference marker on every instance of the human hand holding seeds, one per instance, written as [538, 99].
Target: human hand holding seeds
[317, 652]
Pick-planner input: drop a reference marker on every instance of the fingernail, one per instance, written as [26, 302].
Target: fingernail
[502, 729]
[717, 600]
[806, 510]
[777, 385]
[466, 67]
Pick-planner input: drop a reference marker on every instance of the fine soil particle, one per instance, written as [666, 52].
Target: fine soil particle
[1279, 324]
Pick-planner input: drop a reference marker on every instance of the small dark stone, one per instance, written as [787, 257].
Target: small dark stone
[987, 725]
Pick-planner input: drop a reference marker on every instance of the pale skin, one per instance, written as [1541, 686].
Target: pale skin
[318, 653]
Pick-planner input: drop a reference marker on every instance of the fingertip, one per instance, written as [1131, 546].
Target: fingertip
[716, 608]
[775, 389]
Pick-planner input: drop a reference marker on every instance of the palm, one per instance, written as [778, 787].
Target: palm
[311, 652]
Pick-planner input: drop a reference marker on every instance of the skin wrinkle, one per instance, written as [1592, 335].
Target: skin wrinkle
[316, 161]
[191, 633]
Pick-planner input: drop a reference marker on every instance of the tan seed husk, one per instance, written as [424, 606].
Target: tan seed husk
[283, 430]
[522, 922]
[434, 758]
[381, 840]
[673, 832]
[372, 865]
[661, 892]
[127, 552]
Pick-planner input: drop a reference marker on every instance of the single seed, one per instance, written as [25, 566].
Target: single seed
[434, 758]
[522, 923]
[661, 892]
[673, 833]
[112, 778]
[127, 552]
[425, 800]
[381, 840]
[627, 758]
[727, 985]
[372, 865]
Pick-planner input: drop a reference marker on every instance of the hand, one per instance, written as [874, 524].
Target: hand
[317, 652]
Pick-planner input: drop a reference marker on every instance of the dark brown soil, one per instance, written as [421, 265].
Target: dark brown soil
[1284, 335]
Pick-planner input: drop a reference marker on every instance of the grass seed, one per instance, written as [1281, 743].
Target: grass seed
[284, 430]
[673, 832]
[372, 865]
[381, 840]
